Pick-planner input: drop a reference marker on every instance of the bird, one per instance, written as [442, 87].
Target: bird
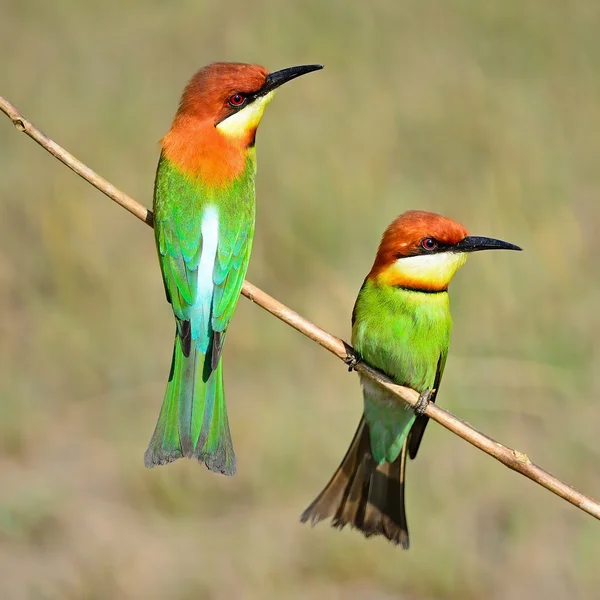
[204, 215]
[401, 325]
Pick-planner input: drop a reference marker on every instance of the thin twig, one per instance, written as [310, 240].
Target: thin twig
[513, 459]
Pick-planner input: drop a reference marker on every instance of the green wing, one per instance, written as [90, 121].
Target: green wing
[203, 269]
[231, 264]
[418, 429]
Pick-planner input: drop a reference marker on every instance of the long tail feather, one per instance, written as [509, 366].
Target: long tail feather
[193, 419]
[364, 495]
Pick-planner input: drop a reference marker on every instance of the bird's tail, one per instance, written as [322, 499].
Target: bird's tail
[365, 495]
[193, 419]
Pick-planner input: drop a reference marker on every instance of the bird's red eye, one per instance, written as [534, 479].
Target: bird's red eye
[237, 100]
[428, 244]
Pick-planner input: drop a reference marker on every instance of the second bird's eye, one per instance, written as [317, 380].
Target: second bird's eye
[428, 244]
[237, 100]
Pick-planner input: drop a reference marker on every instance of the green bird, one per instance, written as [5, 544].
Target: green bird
[204, 210]
[401, 325]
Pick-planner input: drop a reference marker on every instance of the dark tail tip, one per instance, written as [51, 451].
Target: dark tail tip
[364, 495]
[219, 462]
[156, 458]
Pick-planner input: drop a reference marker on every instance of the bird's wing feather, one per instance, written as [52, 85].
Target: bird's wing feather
[204, 248]
[230, 268]
[418, 429]
[179, 274]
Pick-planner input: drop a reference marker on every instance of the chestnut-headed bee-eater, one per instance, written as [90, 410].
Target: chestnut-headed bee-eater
[204, 211]
[401, 325]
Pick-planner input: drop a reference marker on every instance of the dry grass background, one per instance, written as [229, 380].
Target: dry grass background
[488, 112]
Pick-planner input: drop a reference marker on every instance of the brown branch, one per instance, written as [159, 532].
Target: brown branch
[513, 459]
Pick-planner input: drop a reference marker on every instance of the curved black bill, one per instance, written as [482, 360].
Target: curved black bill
[277, 78]
[474, 243]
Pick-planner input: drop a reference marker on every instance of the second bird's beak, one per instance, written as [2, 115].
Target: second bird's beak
[475, 243]
[278, 78]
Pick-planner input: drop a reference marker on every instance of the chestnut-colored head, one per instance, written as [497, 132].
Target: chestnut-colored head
[218, 90]
[422, 251]
[219, 113]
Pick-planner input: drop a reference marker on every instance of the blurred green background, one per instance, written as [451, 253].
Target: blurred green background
[488, 112]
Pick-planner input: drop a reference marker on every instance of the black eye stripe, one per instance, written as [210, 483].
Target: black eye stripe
[420, 250]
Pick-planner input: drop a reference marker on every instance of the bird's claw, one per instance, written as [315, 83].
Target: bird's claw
[423, 402]
[351, 360]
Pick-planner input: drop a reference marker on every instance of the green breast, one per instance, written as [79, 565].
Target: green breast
[401, 332]
[405, 334]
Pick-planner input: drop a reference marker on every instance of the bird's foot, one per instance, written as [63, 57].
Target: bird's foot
[423, 402]
[352, 359]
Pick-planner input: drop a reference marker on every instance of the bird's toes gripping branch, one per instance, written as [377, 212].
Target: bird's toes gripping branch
[423, 402]
[351, 359]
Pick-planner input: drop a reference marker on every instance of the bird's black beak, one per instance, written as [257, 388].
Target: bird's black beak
[278, 78]
[474, 243]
